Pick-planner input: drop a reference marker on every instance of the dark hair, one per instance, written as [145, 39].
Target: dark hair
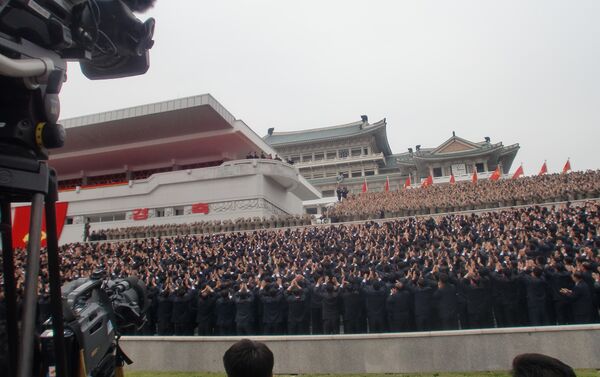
[535, 364]
[247, 358]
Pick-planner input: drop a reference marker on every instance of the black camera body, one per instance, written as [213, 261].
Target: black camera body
[95, 313]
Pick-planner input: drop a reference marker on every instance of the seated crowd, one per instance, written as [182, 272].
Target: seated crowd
[202, 227]
[524, 266]
[443, 198]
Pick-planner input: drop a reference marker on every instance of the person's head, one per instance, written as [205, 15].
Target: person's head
[535, 364]
[247, 358]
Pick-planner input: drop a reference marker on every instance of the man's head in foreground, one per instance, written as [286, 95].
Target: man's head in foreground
[538, 365]
[248, 359]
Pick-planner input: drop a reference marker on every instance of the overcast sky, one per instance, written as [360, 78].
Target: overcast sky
[520, 71]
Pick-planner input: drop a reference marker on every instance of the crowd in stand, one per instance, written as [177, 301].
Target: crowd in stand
[198, 227]
[262, 155]
[461, 196]
[525, 266]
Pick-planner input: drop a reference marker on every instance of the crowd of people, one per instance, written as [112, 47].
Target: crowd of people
[525, 266]
[462, 196]
[201, 227]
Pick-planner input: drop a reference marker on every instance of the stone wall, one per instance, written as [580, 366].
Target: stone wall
[468, 350]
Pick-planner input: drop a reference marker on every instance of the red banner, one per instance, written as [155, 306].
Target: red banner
[140, 214]
[200, 208]
[20, 230]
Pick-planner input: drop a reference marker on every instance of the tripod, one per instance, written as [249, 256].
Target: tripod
[28, 112]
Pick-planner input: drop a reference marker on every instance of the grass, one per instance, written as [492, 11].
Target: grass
[580, 373]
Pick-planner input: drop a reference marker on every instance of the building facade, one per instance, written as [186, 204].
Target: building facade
[349, 154]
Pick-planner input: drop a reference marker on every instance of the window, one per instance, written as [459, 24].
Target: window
[344, 174]
[178, 211]
[69, 220]
[357, 173]
[366, 151]
[328, 193]
[369, 173]
[479, 167]
[306, 157]
[437, 172]
[295, 159]
[331, 174]
[120, 216]
[311, 211]
[160, 212]
[319, 156]
[318, 175]
[331, 155]
[344, 153]
[356, 152]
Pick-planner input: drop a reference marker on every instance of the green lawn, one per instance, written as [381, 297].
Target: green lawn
[580, 373]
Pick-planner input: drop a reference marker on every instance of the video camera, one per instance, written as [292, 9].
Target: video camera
[96, 312]
[38, 37]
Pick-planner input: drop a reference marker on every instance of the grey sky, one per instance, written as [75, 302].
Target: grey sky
[519, 71]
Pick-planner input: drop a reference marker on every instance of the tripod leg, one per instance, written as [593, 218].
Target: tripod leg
[54, 277]
[31, 288]
[10, 290]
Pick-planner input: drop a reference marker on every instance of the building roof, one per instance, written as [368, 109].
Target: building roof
[279, 139]
[185, 130]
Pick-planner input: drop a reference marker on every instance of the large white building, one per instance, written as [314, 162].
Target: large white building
[159, 163]
[349, 154]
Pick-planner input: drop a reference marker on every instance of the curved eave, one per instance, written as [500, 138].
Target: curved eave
[471, 153]
[379, 128]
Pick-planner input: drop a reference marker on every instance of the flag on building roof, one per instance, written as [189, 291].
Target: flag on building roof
[544, 169]
[567, 166]
[407, 182]
[427, 182]
[364, 186]
[474, 176]
[452, 179]
[496, 174]
[519, 172]
[387, 184]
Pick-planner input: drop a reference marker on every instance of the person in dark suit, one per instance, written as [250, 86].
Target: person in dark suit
[164, 311]
[182, 315]
[271, 298]
[446, 304]
[297, 300]
[244, 311]
[506, 297]
[399, 308]
[353, 305]
[580, 298]
[536, 293]
[375, 297]
[423, 299]
[205, 311]
[559, 278]
[316, 310]
[225, 313]
[331, 306]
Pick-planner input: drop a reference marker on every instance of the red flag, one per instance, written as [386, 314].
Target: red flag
[200, 208]
[519, 172]
[407, 182]
[567, 166]
[474, 177]
[495, 175]
[387, 184]
[20, 229]
[428, 182]
[140, 214]
[544, 169]
[364, 186]
[452, 180]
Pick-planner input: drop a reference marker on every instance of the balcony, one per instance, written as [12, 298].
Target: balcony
[340, 160]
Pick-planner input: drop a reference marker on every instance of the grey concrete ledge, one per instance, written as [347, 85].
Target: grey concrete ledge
[456, 351]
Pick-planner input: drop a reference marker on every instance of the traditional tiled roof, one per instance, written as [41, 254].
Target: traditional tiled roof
[277, 139]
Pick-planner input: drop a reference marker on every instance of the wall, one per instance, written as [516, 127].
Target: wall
[468, 350]
[244, 188]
